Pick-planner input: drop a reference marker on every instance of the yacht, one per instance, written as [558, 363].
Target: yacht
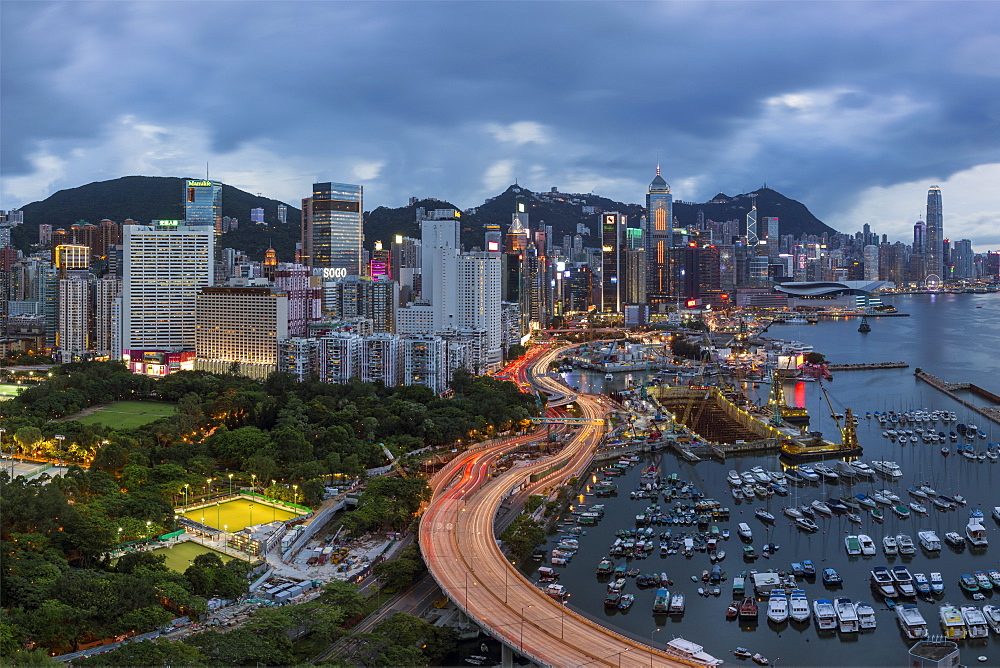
[763, 515]
[847, 615]
[806, 524]
[889, 545]
[929, 541]
[827, 472]
[853, 546]
[922, 584]
[996, 513]
[863, 469]
[990, 612]
[677, 604]
[777, 606]
[734, 479]
[845, 470]
[976, 533]
[905, 544]
[882, 582]
[975, 622]
[792, 512]
[760, 475]
[825, 614]
[821, 507]
[881, 498]
[956, 540]
[866, 615]
[891, 495]
[808, 473]
[887, 468]
[951, 622]
[903, 581]
[799, 606]
[911, 621]
[744, 531]
[868, 548]
[937, 583]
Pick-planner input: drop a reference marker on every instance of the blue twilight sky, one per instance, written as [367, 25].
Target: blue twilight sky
[854, 108]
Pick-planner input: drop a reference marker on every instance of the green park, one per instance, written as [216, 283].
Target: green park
[128, 414]
[180, 556]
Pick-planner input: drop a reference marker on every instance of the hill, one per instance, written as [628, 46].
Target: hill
[793, 217]
[146, 198]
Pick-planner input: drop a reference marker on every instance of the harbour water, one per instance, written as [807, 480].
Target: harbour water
[954, 337]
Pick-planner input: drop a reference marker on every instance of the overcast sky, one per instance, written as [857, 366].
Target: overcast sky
[853, 108]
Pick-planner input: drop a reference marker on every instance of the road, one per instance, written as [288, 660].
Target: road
[458, 544]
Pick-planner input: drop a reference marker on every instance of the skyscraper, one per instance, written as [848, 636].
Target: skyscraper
[203, 204]
[934, 252]
[612, 236]
[332, 229]
[658, 239]
[919, 236]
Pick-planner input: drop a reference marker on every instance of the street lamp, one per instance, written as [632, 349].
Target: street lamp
[251, 514]
[230, 484]
[148, 523]
[521, 642]
[225, 529]
[651, 648]
[295, 497]
[60, 438]
[209, 481]
[186, 485]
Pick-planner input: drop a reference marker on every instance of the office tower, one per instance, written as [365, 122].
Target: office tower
[871, 262]
[919, 236]
[282, 214]
[517, 236]
[548, 240]
[237, 329]
[752, 237]
[203, 204]
[685, 274]
[479, 302]
[658, 239]
[381, 262]
[493, 239]
[106, 290]
[163, 268]
[634, 272]
[257, 216]
[612, 231]
[963, 260]
[71, 257]
[48, 295]
[532, 288]
[934, 251]
[439, 247]
[332, 229]
[773, 237]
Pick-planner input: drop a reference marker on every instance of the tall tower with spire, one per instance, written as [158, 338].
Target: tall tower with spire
[658, 237]
[934, 251]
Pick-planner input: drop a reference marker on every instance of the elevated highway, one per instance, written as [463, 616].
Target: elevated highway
[457, 538]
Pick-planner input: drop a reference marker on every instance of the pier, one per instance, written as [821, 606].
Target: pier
[991, 413]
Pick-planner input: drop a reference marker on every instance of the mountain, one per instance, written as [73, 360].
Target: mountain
[793, 217]
[146, 198]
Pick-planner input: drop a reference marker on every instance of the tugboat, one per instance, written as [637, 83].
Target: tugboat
[864, 328]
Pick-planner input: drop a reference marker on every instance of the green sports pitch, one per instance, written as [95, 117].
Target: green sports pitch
[9, 391]
[129, 414]
[181, 555]
[234, 515]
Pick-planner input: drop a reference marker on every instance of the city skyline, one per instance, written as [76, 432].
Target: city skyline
[858, 124]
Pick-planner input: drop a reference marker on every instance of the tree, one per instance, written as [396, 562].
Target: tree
[28, 437]
[343, 596]
[148, 653]
[515, 351]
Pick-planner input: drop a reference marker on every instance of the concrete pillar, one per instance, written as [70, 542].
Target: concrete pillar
[506, 656]
[463, 619]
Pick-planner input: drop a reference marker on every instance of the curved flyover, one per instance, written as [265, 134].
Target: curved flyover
[458, 543]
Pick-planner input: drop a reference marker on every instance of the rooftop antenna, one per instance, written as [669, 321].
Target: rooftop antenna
[206, 171]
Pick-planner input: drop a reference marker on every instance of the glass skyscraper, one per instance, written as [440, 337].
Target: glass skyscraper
[332, 228]
[203, 203]
[658, 239]
[934, 251]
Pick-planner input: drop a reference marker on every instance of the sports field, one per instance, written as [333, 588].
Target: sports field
[238, 513]
[128, 414]
[180, 556]
[8, 391]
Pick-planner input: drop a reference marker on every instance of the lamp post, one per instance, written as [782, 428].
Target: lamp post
[520, 643]
[251, 514]
[230, 484]
[186, 485]
[209, 481]
[148, 524]
[60, 438]
[295, 496]
[225, 530]
[651, 648]
[119, 536]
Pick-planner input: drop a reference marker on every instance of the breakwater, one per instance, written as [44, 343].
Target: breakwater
[989, 412]
[867, 366]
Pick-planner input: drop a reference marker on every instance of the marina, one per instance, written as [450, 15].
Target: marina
[906, 545]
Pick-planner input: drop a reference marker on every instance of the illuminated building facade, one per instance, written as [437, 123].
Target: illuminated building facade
[658, 239]
[203, 204]
[612, 233]
[934, 249]
[239, 328]
[332, 229]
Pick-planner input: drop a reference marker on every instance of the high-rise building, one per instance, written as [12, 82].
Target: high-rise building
[919, 236]
[962, 260]
[871, 262]
[163, 268]
[73, 335]
[332, 229]
[305, 300]
[753, 239]
[238, 328]
[493, 238]
[381, 262]
[71, 257]
[658, 239]
[612, 231]
[282, 214]
[478, 303]
[203, 204]
[439, 246]
[257, 216]
[934, 252]
[106, 290]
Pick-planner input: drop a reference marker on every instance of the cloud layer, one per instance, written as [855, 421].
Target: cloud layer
[852, 108]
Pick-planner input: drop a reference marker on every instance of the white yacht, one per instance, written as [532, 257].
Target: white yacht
[866, 615]
[975, 622]
[760, 475]
[792, 512]
[929, 541]
[868, 548]
[975, 532]
[744, 531]
[863, 469]
[799, 606]
[990, 612]
[951, 622]
[847, 615]
[882, 582]
[889, 545]
[937, 583]
[734, 479]
[996, 513]
[903, 581]
[887, 468]
[777, 606]
[911, 621]
[905, 544]
[845, 470]
[825, 614]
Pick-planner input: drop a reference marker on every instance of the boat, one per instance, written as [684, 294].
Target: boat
[992, 615]
[862, 469]
[994, 576]
[605, 567]
[975, 532]
[825, 614]
[808, 568]
[889, 545]
[847, 615]
[806, 524]
[844, 470]
[748, 608]
[903, 581]
[690, 653]
[866, 615]
[827, 472]
[609, 376]
[905, 544]
[937, 583]
[798, 606]
[763, 515]
[975, 622]
[996, 513]
[881, 498]
[951, 622]
[744, 531]
[831, 577]
[917, 492]
[983, 581]
[911, 622]
[748, 552]
[677, 604]
[821, 507]
[955, 539]
[661, 604]
[921, 583]
[864, 327]
[792, 512]
[887, 468]
[918, 508]
[868, 548]
[808, 473]
[865, 500]
[929, 540]
[852, 545]
[901, 511]
[734, 478]
[742, 653]
[968, 583]
[613, 598]
[777, 606]
[877, 514]
[883, 582]
[853, 517]
[889, 494]
[555, 591]
[760, 659]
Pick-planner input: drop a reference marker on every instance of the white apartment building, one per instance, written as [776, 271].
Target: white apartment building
[73, 335]
[478, 304]
[106, 290]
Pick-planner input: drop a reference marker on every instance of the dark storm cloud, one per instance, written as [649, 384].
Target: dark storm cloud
[821, 100]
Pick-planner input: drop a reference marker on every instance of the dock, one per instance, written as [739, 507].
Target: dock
[991, 413]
